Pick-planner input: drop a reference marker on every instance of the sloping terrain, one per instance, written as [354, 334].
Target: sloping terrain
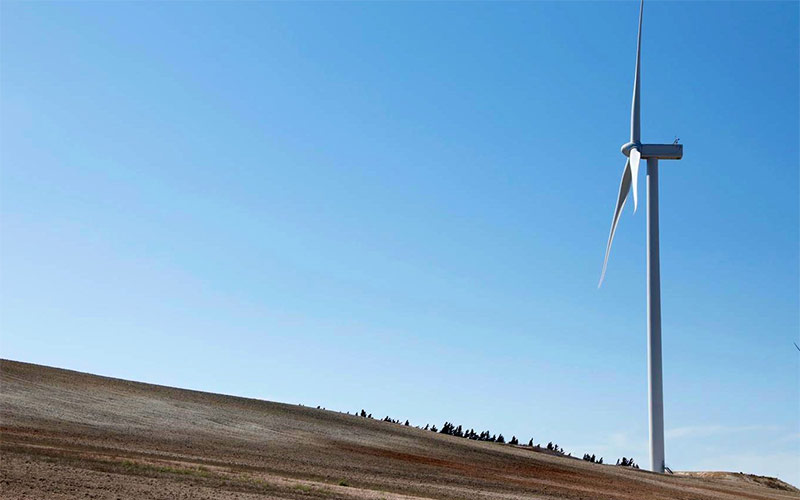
[65, 434]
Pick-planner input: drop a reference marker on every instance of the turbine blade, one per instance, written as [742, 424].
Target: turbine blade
[635, 156]
[636, 134]
[624, 188]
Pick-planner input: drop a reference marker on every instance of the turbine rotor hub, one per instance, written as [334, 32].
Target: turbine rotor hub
[626, 148]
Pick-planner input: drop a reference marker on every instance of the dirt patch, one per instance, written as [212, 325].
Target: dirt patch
[65, 434]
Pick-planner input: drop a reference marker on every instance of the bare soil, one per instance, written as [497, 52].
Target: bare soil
[65, 434]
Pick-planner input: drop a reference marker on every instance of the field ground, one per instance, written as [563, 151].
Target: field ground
[65, 434]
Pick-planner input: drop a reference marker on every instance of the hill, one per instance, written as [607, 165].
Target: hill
[65, 434]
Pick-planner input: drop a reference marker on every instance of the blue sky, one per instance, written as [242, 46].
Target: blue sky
[403, 207]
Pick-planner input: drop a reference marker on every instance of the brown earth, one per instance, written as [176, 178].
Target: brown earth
[65, 434]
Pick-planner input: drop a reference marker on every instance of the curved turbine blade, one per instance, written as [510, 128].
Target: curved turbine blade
[635, 156]
[624, 188]
[636, 133]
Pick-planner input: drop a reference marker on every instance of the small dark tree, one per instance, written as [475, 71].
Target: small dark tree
[514, 440]
[363, 413]
[550, 445]
[530, 443]
[501, 439]
[434, 429]
[407, 423]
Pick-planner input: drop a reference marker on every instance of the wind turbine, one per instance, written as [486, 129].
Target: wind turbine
[635, 151]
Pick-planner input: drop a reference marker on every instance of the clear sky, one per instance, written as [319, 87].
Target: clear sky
[403, 207]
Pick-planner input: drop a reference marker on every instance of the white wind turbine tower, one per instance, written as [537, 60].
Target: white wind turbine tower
[635, 151]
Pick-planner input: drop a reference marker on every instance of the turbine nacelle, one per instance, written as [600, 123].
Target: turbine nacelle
[659, 151]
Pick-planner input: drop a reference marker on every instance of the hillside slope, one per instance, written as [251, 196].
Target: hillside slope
[66, 434]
